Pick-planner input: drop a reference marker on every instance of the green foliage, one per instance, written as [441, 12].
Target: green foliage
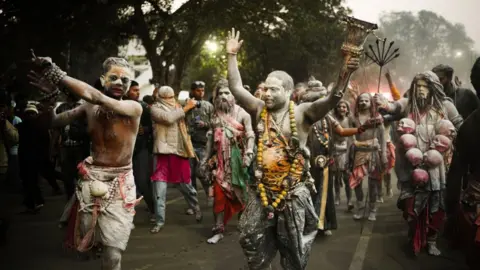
[301, 37]
[78, 35]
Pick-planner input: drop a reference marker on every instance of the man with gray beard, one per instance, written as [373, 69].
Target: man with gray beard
[421, 164]
[228, 154]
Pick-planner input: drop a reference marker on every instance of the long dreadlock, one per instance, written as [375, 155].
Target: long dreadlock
[436, 95]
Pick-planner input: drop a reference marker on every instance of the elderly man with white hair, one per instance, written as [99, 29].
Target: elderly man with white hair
[172, 149]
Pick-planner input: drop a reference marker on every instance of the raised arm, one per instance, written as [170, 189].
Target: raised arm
[243, 97]
[317, 110]
[164, 117]
[393, 89]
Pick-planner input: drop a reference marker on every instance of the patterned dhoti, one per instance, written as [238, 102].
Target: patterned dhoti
[292, 231]
[107, 220]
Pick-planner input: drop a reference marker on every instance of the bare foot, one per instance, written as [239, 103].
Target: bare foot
[432, 249]
[215, 239]
[327, 233]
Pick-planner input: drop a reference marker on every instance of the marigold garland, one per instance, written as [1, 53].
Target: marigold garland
[275, 200]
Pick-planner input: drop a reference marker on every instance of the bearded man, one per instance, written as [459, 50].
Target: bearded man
[368, 157]
[271, 219]
[105, 193]
[322, 159]
[427, 133]
[463, 208]
[229, 152]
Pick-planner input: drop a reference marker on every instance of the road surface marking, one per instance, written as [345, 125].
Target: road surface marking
[362, 246]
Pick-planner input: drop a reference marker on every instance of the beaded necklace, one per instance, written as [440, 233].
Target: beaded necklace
[272, 203]
[324, 132]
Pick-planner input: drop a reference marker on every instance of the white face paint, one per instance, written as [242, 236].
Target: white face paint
[275, 95]
[422, 89]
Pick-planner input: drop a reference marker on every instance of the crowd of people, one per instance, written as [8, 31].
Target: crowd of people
[278, 157]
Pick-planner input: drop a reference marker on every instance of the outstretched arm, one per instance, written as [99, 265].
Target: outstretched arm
[244, 98]
[66, 118]
[339, 130]
[55, 76]
[88, 93]
[164, 117]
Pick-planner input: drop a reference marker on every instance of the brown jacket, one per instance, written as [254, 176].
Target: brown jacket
[168, 135]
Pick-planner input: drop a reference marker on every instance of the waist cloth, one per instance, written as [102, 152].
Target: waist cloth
[107, 219]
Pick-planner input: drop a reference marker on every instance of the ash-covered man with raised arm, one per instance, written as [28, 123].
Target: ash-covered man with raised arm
[279, 215]
[105, 193]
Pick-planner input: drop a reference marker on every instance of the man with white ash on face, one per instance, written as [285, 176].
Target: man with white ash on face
[281, 217]
[106, 192]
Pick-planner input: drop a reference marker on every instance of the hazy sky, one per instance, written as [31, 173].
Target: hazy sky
[465, 12]
[456, 11]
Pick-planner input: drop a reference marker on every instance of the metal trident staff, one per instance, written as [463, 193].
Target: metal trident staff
[381, 57]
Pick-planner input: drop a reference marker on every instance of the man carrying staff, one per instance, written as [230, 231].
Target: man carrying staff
[105, 194]
[282, 217]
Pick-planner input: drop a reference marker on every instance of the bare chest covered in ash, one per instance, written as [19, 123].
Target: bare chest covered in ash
[369, 134]
[113, 136]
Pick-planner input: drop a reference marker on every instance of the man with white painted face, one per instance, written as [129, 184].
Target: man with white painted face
[322, 158]
[105, 193]
[279, 215]
[420, 161]
[368, 157]
[228, 155]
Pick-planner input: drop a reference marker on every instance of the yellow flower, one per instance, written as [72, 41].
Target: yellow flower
[274, 204]
[260, 185]
[265, 204]
[278, 200]
[284, 193]
[263, 194]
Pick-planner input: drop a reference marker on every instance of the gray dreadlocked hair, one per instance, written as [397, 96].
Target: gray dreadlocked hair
[222, 83]
[437, 96]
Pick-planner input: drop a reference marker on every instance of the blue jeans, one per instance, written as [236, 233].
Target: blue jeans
[160, 195]
[194, 164]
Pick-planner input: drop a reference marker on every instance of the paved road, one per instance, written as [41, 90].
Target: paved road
[35, 243]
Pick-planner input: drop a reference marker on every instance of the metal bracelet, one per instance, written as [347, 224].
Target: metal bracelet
[54, 74]
[50, 96]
